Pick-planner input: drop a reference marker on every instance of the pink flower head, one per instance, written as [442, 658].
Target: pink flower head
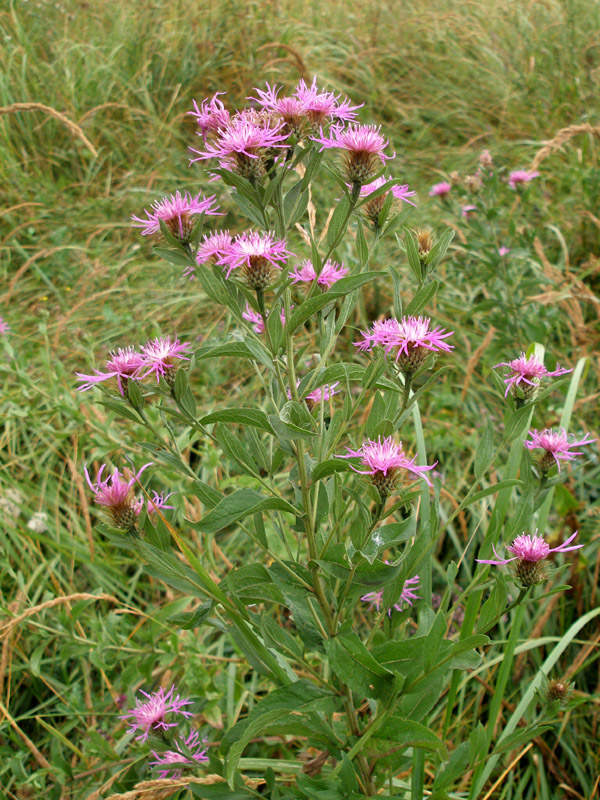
[258, 254]
[324, 393]
[251, 315]
[399, 192]
[243, 144]
[117, 495]
[529, 551]
[190, 751]
[408, 596]
[123, 365]
[528, 371]
[383, 459]
[440, 189]
[557, 446]
[160, 355]
[468, 211]
[156, 503]
[212, 249]
[320, 106]
[290, 109]
[364, 146]
[503, 251]
[520, 176]
[150, 714]
[410, 337]
[485, 159]
[176, 212]
[4, 327]
[330, 273]
[211, 115]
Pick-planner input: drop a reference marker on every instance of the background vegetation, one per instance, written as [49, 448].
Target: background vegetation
[445, 80]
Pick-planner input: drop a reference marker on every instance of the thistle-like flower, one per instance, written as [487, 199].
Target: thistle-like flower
[528, 554]
[321, 106]
[151, 714]
[331, 272]
[122, 366]
[116, 493]
[407, 596]
[189, 752]
[553, 689]
[258, 254]
[527, 374]
[441, 189]
[212, 248]
[363, 145]
[211, 116]
[161, 355]
[520, 176]
[556, 447]
[373, 208]
[245, 143]
[503, 251]
[291, 109]
[410, 338]
[383, 459]
[177, 212]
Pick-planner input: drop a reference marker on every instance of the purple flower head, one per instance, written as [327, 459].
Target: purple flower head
[521, 176]
[290, 109]
[330, 273]
[527, 374]
[411, 338]
[211, 115]
[382, 459]
[244, 143]
[374, 207]
[151, 714]
[117, 495]
[156, 503]
[407, 597]
[251, 315]
[556, 446]
[503, 251]
[528, 551]
[363, 145]
[4, 327]
[212, 248]
[468, 211]
[160, 357]
[122, 366]
[176, 212]
[440, 189]
[321, 106]
[258, 254]
[190, 752]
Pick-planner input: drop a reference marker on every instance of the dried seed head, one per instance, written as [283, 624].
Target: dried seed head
[424, 242]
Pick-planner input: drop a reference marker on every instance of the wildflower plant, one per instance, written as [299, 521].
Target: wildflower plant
[329, 471]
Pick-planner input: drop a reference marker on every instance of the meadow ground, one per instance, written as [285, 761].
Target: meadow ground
[83, 625]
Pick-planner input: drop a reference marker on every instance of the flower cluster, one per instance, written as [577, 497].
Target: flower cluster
[177, 212]
[526, 374]
[410, 339]
[556, 447]
[407, 596]
[382, 460]
[116, 494]
[158, 357]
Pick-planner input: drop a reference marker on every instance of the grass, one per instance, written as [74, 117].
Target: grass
[445, 80]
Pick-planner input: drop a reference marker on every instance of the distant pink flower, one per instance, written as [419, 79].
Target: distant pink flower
[151, 714]
[363, 145]
[325, 393]
[176, 212]
[331, 272]
[399, 192]
[123, 365]
[161, 354]
[251, 315]
[527, 371]
[485, 159]
[527, 547]
[503, 251]
[382, 460]
[212, 248]
[190, 751]
[468, 211]
[520, 176]
[320, 106]
[408, 596]
[4, 327]
[556, 445]
[440, 189]
[211, 115]
[258, 254]
[410, 338]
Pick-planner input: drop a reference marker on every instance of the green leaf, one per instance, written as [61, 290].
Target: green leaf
[238, 505]
[485, 450]
[338, 222]
[121, 410]
[493, 606]
[294, 204]
[135, 396]
[361, 244]
[352, 663]
[233, 349]
[188, 620]
[438, 251]
[243, 416]
[404, 733]
[454, 768]
[326, 468]
[497, 487]
[235, 449]
[517, 423]
[175, 257]
[412, 252]
[422, 298]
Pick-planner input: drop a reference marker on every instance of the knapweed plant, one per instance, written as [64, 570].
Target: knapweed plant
[328, 473]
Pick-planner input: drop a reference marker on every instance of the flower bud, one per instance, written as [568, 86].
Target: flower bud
[424, 242]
